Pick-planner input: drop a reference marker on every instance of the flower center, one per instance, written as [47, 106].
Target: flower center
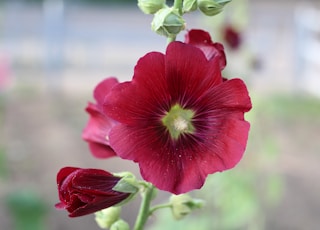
[178, 121]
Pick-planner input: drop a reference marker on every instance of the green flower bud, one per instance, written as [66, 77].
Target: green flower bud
[106, 217]
[167, 22]
[120, 225]
[212, 7]
[183, 204]
[151, 6]
[189, 5]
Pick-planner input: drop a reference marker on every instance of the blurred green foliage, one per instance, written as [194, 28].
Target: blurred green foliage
[293, 107]
[27, 210]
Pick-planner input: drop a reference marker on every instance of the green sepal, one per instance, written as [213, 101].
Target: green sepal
[189, 6]
[127, 183]
[212, 7]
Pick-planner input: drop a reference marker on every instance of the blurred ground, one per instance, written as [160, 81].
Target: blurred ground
[43, 109]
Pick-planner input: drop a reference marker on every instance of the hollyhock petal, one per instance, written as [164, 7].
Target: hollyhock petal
[138, 99]
[234, 134]
[94, 180]
[224, 108]
[101, 150]
[202, 40]
[96, 205]
[187, 83]
[103, 88]
[97, 129]
[96, 132]
[231, 95]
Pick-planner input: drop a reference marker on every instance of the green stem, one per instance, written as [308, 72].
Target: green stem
[157, 207]
[171, 39]
[145, 207]
[178, 5]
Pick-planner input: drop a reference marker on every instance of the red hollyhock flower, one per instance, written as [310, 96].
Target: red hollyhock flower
[178, 118]
[96, 132]
[202, 40]
[232, 37]
[84, 191]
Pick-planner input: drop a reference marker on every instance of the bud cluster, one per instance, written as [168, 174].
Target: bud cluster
[168, 21]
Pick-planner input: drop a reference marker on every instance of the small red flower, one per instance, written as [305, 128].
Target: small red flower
[85, 191]
[178, 118]
[96, 132]
[232, 37]
[202, 40]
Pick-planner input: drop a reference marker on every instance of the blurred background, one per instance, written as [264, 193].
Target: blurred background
[54, 52]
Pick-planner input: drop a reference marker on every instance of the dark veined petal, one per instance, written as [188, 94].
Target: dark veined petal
[104, 88]
[186, 80]
[130, 102]
[97, 204]
[221, 119]
[95, 181]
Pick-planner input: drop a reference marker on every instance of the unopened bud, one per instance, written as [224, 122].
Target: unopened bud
[189, 5]
[167, 22]
[120, 225]
[212, 7]
[106, 217]
[151, 6]
[183, 204]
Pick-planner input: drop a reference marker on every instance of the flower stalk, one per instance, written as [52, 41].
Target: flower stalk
[160, 206]
[144, 212]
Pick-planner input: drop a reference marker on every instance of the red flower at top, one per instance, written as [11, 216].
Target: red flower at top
[178, 118]
[202, 40]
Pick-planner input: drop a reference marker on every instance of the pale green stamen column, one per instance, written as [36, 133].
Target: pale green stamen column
[178, 121]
